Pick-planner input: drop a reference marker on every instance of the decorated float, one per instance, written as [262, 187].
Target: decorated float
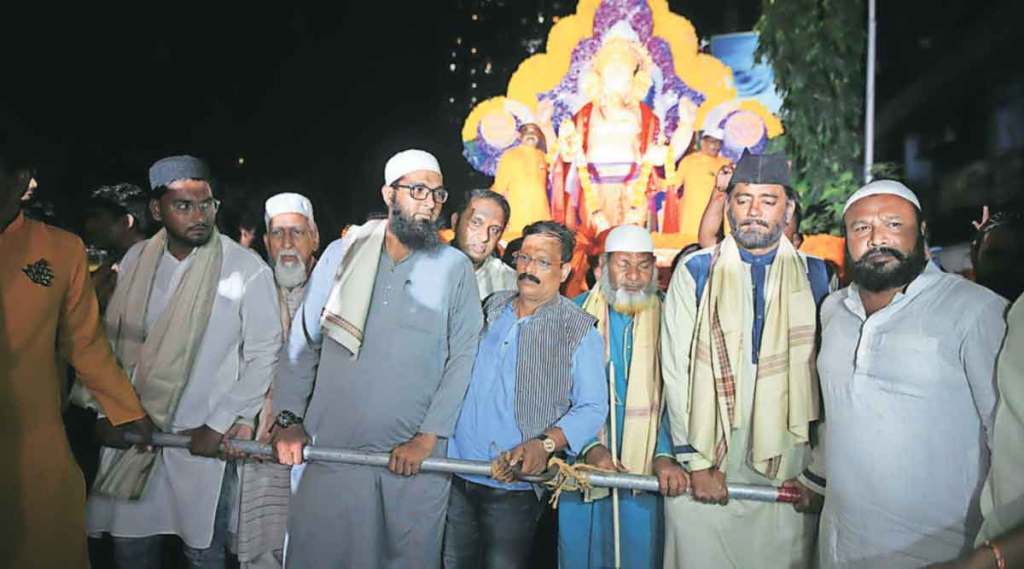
[617, 97]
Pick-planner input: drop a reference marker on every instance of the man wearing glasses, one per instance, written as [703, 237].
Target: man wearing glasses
[538, 387]
[378, 359]
[194, 321]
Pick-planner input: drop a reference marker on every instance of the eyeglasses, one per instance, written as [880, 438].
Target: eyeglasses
[420, 192]
[525, 260]
[205, 207]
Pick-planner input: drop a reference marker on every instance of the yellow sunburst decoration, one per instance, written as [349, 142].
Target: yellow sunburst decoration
[545, 85]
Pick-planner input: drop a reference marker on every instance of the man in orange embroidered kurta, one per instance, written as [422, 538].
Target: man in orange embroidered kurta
[522, 177]
[47, 303]
[696, 177]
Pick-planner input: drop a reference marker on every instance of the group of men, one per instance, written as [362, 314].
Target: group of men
[393, 342]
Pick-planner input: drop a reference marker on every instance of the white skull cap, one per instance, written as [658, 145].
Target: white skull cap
[883, 187]
[408, 161]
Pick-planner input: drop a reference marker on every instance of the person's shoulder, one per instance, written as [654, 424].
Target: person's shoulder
[497, 262]
[334, 250]
[698, 261]
[809, 258]
[971, 296]
[55, 236]
[498, 298]
[691, 158]
[451, 258]
[581, 298]
[834, 301]
[133, 252]
[241, 257]
[577, 309]
[705, 252]
[814, 265]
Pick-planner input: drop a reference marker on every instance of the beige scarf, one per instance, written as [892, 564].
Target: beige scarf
[160, 362]
[785, 389]
[639, 430]
[344, 316]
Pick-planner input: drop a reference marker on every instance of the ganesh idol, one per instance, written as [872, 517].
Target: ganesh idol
[603, 175]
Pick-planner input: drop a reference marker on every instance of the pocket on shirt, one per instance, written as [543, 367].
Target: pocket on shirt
[915, 365]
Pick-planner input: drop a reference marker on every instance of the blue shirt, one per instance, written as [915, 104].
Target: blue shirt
[620, 331]
[758, 272]
[487, 423]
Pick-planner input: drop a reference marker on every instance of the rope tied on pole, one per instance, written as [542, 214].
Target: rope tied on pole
[571, 477]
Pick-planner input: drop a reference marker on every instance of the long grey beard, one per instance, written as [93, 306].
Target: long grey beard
[626, 302]
[289, 275]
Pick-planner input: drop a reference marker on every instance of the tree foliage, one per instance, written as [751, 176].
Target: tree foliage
[816, 49]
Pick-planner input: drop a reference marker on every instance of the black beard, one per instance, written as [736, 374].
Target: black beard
[413, 233]
[876, 278]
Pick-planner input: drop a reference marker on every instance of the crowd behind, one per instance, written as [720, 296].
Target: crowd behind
[883, 394]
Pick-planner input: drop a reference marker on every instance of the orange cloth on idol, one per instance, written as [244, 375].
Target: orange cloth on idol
[48, 304]
[522, 177]
[697, 171]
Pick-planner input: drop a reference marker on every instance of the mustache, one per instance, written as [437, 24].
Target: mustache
[879, 251]
[755, 221]
[529, 277]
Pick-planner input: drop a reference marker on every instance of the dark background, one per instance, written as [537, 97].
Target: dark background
[316, 100]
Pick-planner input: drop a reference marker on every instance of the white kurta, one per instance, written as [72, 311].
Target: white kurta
[233, 368]
[494, 276]
[909, 395]
[739, 534]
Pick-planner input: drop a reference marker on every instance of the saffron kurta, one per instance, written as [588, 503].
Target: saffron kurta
[42, 495]
[522, 177]
[698, 171]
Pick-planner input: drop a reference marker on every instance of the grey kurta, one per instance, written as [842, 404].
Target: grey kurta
[411, 376]
[910, 395]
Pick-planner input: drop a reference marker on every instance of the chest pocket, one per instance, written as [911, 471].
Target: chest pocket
[928, 375]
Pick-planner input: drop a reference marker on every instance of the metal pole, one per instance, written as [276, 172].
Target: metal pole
[622, 481]
[613, 414]
[869, 96]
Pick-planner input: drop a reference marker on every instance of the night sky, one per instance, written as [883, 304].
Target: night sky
[312, 101]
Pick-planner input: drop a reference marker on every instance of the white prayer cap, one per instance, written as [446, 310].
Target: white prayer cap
[287, 203]
[715, 133]
[629, 239]
[409, 161]
[883, 187]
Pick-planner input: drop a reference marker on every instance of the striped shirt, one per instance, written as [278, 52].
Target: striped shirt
[487, 425]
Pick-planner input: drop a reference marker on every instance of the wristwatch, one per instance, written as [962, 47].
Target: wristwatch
[286, 419]
[548, 442]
